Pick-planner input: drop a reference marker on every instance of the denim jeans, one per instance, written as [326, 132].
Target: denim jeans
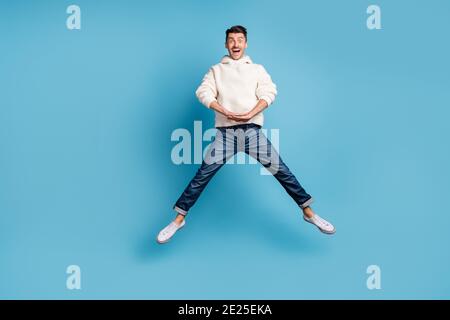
[228, 141]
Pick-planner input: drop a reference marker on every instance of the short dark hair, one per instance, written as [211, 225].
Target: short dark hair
[236, 29]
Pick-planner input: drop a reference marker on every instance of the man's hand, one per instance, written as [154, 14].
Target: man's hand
[230, 115]
[244, 117]
[239, 117]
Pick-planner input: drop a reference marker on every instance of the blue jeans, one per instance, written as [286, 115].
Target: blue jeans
[230, 140]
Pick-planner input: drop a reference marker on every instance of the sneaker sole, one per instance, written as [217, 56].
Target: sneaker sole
[321, 230]
[165, 241]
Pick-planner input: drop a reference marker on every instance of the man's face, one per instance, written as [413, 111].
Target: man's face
[236, 45]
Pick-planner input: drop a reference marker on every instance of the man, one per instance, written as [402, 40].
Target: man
[238, 91]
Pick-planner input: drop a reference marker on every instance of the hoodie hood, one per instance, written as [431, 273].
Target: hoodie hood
[227, 59]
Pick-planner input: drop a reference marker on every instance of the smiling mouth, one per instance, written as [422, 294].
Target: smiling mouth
[236, 50]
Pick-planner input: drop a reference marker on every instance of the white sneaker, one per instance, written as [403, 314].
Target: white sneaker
[167, 233]
[321, 223]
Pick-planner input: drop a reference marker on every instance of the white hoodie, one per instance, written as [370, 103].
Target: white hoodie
[237, 85]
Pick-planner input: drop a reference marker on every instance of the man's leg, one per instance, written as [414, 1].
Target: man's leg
[195, 187]
[219, 152]
[259, 147]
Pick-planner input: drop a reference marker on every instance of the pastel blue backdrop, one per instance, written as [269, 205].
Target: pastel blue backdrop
[86, 176]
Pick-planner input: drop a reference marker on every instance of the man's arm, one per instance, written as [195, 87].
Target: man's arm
[217, 107]
[207, 91]
[266, 89]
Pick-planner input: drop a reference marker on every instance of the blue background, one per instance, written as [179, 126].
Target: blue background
[86, 176]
